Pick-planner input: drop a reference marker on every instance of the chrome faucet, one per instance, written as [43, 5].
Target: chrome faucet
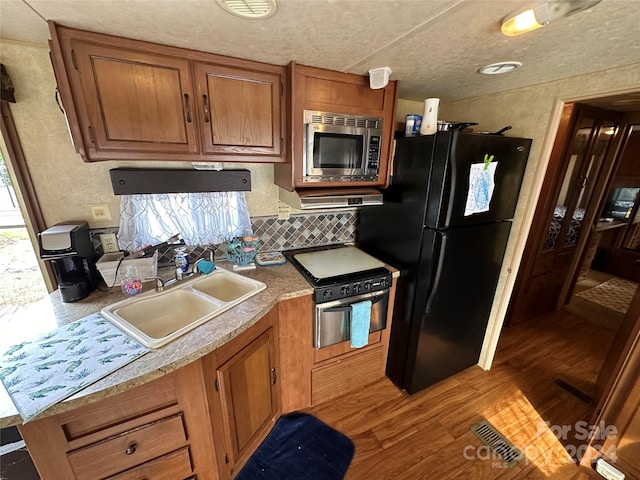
[208, 250]
[159, 283]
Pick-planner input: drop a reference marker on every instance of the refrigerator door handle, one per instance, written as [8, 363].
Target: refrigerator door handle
[436, 272]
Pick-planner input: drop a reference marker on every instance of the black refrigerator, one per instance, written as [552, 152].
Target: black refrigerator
[444, 224]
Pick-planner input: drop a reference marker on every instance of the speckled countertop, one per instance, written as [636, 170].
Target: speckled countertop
[283, 282]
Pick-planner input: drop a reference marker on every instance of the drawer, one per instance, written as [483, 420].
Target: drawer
[128, 449]
[337, 378]
[174, 466]
[88, 420]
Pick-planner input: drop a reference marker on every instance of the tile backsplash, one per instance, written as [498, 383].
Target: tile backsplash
[308, 229]
[298, 231]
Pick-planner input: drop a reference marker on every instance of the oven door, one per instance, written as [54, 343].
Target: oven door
[332, 322]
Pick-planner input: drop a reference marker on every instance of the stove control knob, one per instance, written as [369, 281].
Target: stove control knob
[357, 287]
[344, 290]
[367, 285]
[327, 294]
[383, 282]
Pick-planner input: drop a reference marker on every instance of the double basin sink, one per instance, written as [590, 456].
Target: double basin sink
[157, 318]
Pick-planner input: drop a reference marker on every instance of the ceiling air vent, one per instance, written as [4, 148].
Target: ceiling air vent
[254, 9]
[500, 67]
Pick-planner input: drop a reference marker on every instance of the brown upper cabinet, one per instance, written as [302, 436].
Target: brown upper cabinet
[131, 100]
[238, 110]
[312, 88]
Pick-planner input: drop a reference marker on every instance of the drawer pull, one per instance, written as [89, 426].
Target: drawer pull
[131, 449]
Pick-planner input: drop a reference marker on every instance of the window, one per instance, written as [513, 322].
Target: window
[199, 218]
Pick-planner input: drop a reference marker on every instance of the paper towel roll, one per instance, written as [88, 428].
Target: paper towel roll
[429, 124]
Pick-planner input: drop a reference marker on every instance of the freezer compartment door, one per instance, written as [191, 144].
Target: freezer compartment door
[475, 179]
[458, 278]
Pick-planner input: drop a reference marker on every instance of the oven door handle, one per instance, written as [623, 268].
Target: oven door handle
[346, 308]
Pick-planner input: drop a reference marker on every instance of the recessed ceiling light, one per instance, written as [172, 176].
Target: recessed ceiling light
[254, 9]
[500, 67]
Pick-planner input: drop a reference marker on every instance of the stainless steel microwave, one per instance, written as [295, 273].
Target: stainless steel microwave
[341, 148]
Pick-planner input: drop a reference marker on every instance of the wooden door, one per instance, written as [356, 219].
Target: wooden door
[566, 209]
[240, 110]
[136, 101]
[617, 419]
[247, 384]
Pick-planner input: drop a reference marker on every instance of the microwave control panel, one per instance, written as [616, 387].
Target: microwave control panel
[374, 152]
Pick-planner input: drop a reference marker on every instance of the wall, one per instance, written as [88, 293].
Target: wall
[533, 112]
[65, 184]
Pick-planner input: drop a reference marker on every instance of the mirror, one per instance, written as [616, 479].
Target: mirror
[575, 158]
[631, 240]
[623, 201]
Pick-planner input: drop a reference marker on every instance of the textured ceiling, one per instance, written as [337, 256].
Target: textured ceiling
[434, 47]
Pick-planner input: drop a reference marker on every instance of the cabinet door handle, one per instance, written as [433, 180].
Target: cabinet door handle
[58, 100]
[205, 106]
[187, 108]
[274, 375]
[131, 449]
[583, 183]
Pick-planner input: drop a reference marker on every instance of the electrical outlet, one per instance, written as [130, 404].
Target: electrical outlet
[109, 242]
[100, 211]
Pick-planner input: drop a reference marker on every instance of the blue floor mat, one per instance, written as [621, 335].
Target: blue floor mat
[300, 447]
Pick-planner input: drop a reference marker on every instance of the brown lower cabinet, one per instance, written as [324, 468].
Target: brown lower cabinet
[151, 431]
[204, 420]
[243, 393]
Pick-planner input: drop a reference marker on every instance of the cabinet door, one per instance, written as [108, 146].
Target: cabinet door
[135, 101]
[240, 110]
[249, 400]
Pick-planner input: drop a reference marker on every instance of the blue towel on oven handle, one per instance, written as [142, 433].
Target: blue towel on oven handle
[360, 323]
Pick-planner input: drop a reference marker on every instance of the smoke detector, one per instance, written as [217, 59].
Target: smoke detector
[254, 9]
[499, 68]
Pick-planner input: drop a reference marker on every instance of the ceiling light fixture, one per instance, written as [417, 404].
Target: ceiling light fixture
[254, 9]
[500, 67]
[532, 18]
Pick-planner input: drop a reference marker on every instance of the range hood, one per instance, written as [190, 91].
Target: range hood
[321, 198]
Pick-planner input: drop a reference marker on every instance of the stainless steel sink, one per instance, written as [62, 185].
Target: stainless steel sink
[157, 318]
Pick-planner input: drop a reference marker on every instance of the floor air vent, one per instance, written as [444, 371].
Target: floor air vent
[579, 394]
[497, 442]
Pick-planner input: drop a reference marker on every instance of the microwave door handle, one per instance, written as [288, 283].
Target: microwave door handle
[365, 152]
[307, 161]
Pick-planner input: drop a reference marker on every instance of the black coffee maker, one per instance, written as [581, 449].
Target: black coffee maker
[69, 249]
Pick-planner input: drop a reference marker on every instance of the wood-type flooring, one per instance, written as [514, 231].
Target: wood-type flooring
[427, 435]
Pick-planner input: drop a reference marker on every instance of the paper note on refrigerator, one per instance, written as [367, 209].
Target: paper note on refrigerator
[481, 185]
